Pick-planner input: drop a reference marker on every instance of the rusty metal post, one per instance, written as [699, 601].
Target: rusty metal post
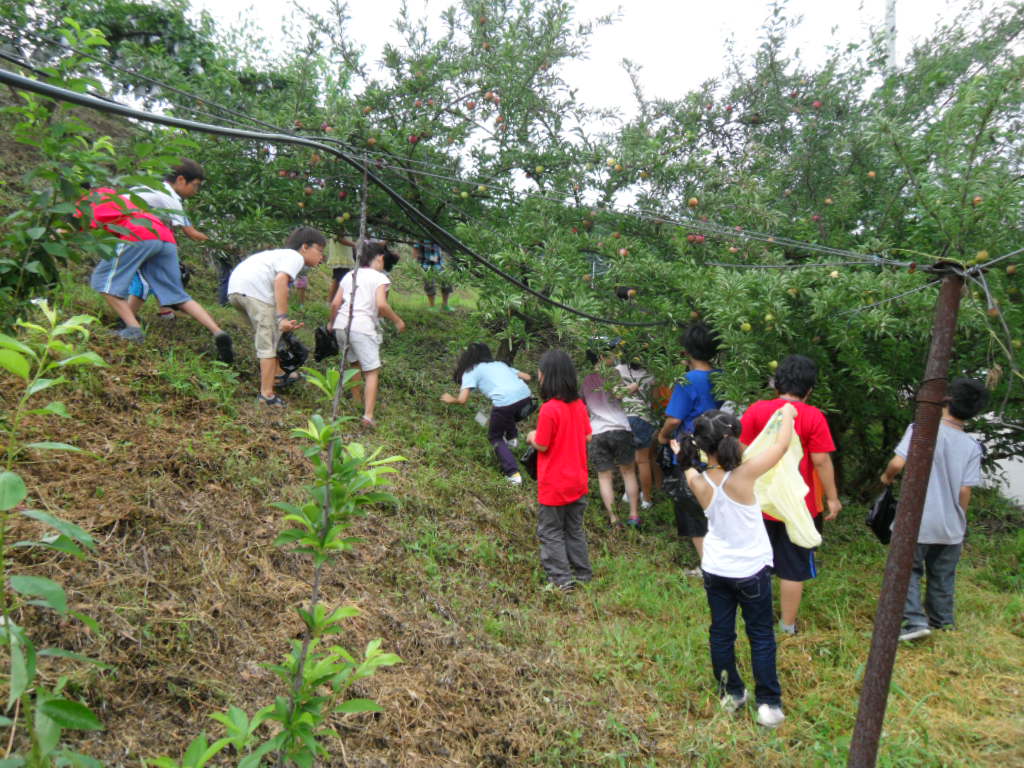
[874, 690]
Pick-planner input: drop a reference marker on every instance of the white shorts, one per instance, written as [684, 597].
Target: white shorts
[363, 348]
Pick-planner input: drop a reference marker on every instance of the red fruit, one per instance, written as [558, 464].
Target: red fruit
[738, 228]
[691, 238]
[342, 194]
[793, 94]
[499, 119]
[367, 110]
[326, 128]
[371, 141]
[430, 102]
[298, 124]
[815, 217]
[575, 231]
[976, 200]
[419, 102]
[728, 107]
[413, 138]
[489, 95]
[817, 104]
[482, 20]
[308, 190]
[616, 235]
[470, 105]
[282, 174]
[486, 46]
[698, 238]
[623, 252]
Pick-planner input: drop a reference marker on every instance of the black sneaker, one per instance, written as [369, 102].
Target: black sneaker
[225, 349]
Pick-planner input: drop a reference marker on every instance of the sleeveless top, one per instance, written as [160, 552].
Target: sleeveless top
[737, 544]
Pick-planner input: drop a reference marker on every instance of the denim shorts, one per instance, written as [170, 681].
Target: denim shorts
[643, 432]
[155, 259]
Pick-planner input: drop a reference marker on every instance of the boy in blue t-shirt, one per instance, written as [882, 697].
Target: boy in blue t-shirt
[690, 398]
[956, 468]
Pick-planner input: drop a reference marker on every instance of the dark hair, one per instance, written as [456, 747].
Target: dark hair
[718, 432]
[475, 353]
[967, 398]
[190, 169]
[373, 249]
[700, 342]
[560, 380]
[305, 236]
[796, 375]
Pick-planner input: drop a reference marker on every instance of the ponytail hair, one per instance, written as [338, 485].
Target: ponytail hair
[475, 353]
[718, 432]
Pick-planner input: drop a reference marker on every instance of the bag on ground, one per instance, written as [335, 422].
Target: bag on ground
[291, 353]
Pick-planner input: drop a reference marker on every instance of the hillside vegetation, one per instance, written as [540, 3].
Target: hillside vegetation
[192, 599]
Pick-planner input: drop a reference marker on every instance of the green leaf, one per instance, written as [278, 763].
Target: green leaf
[83, 358]
[50, 446]
[52, 409]
[69, 529]
[47, 730]
[195, 751]
[12, 490]
[64, 654]
[89, 621]
[35, 233]
[7, 342]
[51, 593]
[71, 714]
[12, 762]
[40, 384]
[56, 543]
[358, 705]
[69, 757]
[15, 363]
[21, 673]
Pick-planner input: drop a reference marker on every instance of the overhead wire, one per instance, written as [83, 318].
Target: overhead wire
[87, 100]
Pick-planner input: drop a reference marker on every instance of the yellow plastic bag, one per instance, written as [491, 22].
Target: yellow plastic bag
[781, 490]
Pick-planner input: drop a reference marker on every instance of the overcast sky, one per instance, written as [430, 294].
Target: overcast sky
[679, 43]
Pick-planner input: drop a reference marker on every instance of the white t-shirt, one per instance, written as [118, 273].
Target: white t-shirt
[254, 277]
[365, 318]
[166, 203]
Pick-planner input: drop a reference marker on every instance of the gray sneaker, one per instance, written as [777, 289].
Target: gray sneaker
[913, 633]
[730, 703]
[131, 333]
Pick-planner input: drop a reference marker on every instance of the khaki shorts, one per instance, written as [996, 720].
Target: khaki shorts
[261, 318]
[363, 349]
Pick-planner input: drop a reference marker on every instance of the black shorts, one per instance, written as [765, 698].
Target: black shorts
[691, 522]
[339, 272]
[611, 449]
[792, 563]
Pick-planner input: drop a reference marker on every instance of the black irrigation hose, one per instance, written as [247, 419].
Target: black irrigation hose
[436, 230]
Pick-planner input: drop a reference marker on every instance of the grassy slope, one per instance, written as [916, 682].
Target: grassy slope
[192, 598]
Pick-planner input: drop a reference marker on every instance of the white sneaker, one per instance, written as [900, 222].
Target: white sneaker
[645, 505]
[625, 497]
[515, 478]
[770, 715]
[732, 703]
[513, 443]
[913, 633]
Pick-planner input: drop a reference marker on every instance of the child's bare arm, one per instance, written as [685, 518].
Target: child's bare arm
[768, 458]
[896, 464]
[460, 400]
[965, 497]
[385, 309]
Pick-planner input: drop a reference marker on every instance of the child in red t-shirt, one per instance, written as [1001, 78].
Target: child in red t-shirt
[561, 436]
[794, 380]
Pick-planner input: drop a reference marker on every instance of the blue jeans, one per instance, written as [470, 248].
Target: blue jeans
[754, 596]
[937, 562]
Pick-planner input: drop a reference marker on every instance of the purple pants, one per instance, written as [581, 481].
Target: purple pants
[502, 427]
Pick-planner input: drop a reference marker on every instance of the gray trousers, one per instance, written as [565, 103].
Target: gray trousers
[563, 544]
[937, 562]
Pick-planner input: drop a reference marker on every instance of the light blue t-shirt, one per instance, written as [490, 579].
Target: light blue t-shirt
[497, 381]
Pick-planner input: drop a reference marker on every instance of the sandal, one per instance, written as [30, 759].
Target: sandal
[275, 400]
[633, 522]
[368, 423]
[285, 380]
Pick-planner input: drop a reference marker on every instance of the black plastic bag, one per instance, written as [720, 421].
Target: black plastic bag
[326, 343]
[881, 515]
[529, 461]
[291, 353]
